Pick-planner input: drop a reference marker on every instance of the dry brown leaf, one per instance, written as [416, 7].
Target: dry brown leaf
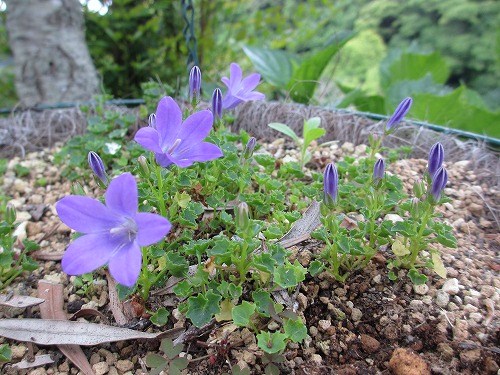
[52, 308]
[115, 305]
[19, 301]
[302, 228]
[82, 313]
[47, 255]
[40, 360]
[60, 332]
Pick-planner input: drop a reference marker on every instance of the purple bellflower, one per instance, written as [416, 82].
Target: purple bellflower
[240, 90]
[439, 180]
[217, 103]
[378, 170]
[436, 158]
[399, 113]
[97, 166]
[330, 184]
[113, 233]
[194, 83]
[249, 148]
[178, 142]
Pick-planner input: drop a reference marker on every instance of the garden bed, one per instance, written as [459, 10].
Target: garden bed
[368, 324]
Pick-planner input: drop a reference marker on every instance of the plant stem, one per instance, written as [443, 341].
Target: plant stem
[415, 242]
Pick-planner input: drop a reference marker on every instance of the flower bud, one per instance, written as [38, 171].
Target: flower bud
[436, 157]
[152, 120]
[378, 170]
[10, 214]
[242, 216]
[415, 205]
[217, 104]
[419, 188]
[194, 84]
[399, 113]
[97, 166]
[330, 184]
[248, 152]
[439, 180]
[143, 163]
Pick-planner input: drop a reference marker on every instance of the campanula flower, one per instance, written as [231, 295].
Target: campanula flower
[113, 233]
[330, 184]
[217, 103]
[97, 166]
[178, 142]
[240, 90]
[378, 170]
[194, 83]
[399, 113]
[439, 180]
[436, 157]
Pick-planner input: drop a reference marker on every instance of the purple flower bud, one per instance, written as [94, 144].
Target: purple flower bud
[247, 154]
[378, 170]
[194, 83]
[399, 113]
[143, 163]
[436, 157]
[97, 166]
[152, 120]
[330, 184]
[217, 103]
[439, 180]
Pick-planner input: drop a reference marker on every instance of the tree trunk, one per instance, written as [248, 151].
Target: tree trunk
[51, 58]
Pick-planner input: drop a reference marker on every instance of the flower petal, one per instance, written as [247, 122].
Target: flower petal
[151, 228]
[194, 130]
[148, 138]
[235, 77]
[125, 266]
[230, 101]
[203, 151]
[254, 95]
[86, 215]
[250, 82]
[163, 160]
[168, 120]
[122, 194]
[226, 81]
[88, 252]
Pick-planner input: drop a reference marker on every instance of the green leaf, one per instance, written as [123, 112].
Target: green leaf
[447, 239]
[177, 365]
[167, 347]
[295, 330]
[416, 277]
[264, 262]
[183, 289]
[312, 135]
[156, 361]
[242, 313]
[160, 317]
[177, 264]
[203, 307]
[263, 302]
[274, 65]
[305, 79]
[399, 249]
[285, 129]
[272, 342]
[5, 353]
[315, 267]
[289, 275]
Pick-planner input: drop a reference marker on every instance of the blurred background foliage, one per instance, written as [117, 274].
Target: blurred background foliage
[445, 53]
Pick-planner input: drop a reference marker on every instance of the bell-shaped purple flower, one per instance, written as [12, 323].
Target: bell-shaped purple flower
[439, 180]
[176, 141]
[436, 158]
[217, 104]
[240, 89]
[97, 166]
[330, 184]
[113, 233]
[399, 113]
[378, 170]
[194, 83]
